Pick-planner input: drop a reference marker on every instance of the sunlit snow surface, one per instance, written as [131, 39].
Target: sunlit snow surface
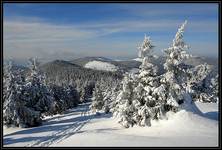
[77, 127]
[100, 65]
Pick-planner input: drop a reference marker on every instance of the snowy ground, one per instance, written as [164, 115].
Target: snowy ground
[78, 128]
[100, 65]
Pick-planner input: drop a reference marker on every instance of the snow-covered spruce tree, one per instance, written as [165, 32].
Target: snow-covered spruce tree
[38, 94]
[215, 87]
[81, 88]
[107, 93]
[82, 94]
[60, 96]
[110, 93]
[197, 85]
[124, 108]
[107, 88]
[72, 96]
[10, 95]
[144, 98]
[7, 77]
[15, 111]
[65, 97]
[85, 90]
[150, 96]
[115, 91]
[149, 93]
[97, 99]
[176, 74]
[173, 78]
[145, 48]
[89, 90]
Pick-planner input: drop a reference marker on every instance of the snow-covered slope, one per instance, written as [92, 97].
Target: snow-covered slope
[78, 128]
[138, 59]
[100, 65]
[181, 129]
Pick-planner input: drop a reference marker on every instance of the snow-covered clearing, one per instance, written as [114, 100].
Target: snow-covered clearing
[100, 65]
[79, 128]
[138, 59]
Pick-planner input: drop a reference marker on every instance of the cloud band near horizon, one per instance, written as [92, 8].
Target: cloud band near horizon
[91, 33]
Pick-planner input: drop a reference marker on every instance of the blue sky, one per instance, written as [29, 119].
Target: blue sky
[70, 30]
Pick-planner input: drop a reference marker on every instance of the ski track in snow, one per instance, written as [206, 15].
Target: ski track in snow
[77, 125]
[63, 134]
[59, 136]
[78, 116]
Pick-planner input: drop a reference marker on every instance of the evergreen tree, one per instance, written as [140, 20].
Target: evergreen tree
[110, 93]
[146, 96]
[125, 109]
[15, 109]
[60, 104]
[115, 91]
[176, 73]
[38, 94]
[97, 99]
[72, 96]
[197, 83]
[7, 80]
[142, 101]
[148, 101]
[215, 88]
[145, 48]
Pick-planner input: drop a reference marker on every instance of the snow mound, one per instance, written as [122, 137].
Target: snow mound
[180, 129]
[99, 65]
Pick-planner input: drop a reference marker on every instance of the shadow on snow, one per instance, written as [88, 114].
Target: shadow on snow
[59, 128]
[211, 115]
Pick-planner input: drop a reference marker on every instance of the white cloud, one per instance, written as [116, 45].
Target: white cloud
[41, 31]
[24, 38]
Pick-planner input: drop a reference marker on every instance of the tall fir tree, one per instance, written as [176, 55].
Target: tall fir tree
[141, 101]
[97, 99]
[15, 109]
[125, 109]
[38, 93]
[176, 73]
